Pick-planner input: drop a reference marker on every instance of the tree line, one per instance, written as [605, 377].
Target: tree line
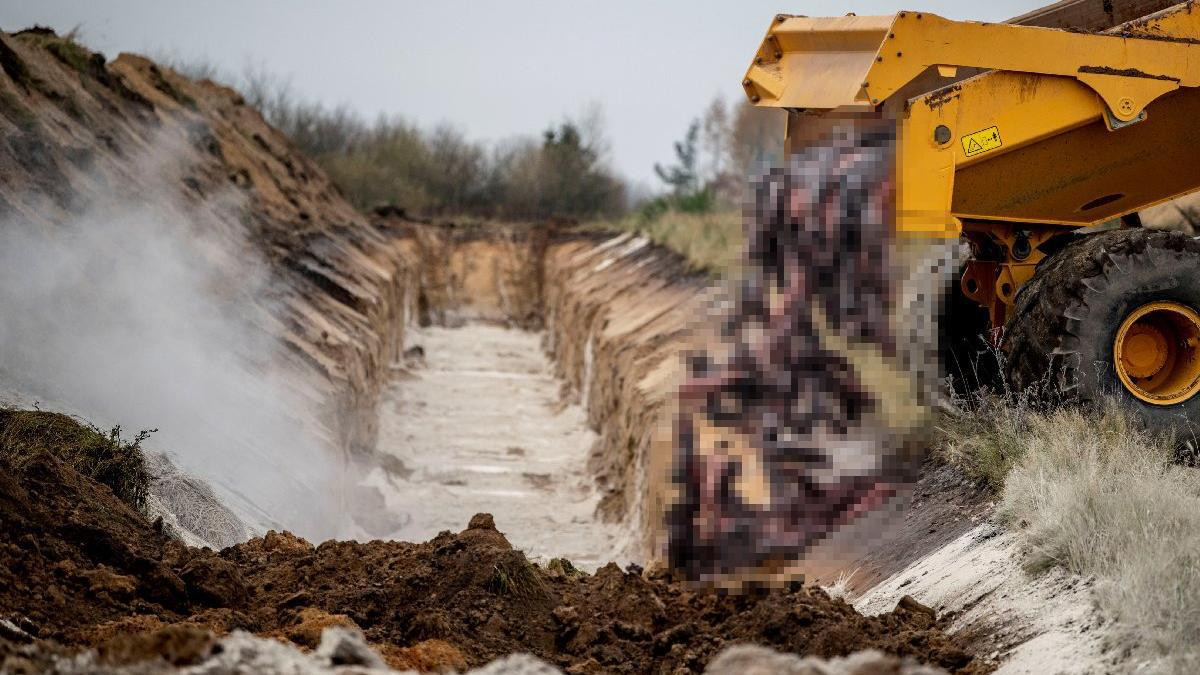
[562, 172]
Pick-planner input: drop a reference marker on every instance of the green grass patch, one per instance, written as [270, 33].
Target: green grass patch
[67, 50]
[985, 436]
[72, 54]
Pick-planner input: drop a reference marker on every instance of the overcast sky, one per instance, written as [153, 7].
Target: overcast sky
[493, 69]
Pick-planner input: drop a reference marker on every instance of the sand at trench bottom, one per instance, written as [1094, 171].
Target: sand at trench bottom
[481, 428]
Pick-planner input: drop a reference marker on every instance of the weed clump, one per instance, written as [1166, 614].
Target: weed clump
[67, 49]
[987, 430]
[74, 55]
[513, 575]
[561, 568]
[985, 436]
[107, 457]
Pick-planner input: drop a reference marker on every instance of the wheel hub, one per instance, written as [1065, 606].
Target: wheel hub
[1145, 351]
[1157, 353]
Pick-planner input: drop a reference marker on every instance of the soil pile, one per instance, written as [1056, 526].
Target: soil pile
[473, 590]
[74, 557]
[82, 568]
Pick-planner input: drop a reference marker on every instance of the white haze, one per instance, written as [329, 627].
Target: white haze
[148, 312]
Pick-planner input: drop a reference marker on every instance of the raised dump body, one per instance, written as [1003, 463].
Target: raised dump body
[1049, 92]
[1039, 147]
[1058, 130]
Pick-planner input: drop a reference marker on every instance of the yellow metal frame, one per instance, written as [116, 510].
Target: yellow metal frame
[1043, 83]
[1061, 131]
[1128, 73]
[994, 284]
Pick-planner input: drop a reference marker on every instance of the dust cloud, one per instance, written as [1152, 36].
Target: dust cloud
[151, 310]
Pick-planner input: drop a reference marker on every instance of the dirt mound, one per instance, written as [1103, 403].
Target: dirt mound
[473, 590]
[74, 557]
[82, 568]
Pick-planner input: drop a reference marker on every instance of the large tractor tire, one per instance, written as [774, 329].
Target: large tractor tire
[1115, 314]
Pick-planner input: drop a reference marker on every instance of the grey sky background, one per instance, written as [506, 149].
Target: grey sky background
[492, 69]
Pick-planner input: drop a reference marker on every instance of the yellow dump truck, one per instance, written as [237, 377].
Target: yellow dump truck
[1038, 147]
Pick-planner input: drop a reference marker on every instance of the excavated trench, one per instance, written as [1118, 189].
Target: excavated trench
[554, 431]
[574, 465]
[531, 384]
[479, 424]
[547, 363]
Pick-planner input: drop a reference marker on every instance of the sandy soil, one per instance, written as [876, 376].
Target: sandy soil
[479, 426]
[1025, 624]
[942, 506]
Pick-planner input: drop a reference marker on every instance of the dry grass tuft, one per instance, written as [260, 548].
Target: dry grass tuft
[711, 242]
[840, 587]
[985, 434]
[513, 575]
[1099, 495]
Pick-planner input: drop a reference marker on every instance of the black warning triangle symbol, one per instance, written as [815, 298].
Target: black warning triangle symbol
[974, 147]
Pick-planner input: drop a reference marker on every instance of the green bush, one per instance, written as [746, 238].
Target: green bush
[700, 201]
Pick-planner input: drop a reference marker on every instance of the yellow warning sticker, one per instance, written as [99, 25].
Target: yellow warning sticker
[981, 141]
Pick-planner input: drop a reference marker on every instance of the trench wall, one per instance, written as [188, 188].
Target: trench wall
[344, 286]
[620, 313]
[617, 312]
[77, 131]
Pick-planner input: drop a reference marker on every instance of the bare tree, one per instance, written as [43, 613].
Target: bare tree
[757, 137]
